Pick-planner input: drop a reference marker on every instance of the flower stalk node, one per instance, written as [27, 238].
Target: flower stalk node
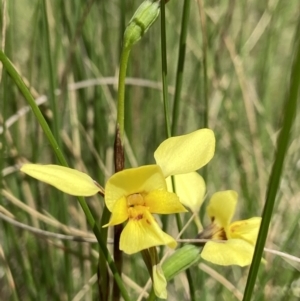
[119, 157]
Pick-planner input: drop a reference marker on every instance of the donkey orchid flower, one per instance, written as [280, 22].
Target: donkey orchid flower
[235, 240]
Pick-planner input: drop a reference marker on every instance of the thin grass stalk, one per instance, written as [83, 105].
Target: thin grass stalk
[204, 54]
[274, 181]
[165, 70]
[3, 107]
[180, 64]
[55, 128]
[24, 90]
[167, 120]
[52, 97]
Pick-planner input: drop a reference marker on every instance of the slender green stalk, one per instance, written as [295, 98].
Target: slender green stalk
[24, 90]
[204, 52]
[121, 89]
[165, 94]
[152, 296]
[165, 69]
[103, 276]
[180, 63]
[282, 146]
[205, 81]
[55, 128]
[166, 108]
[52, 97]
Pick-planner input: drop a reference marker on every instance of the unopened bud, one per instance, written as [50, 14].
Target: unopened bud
[141, 21]
[181, 260]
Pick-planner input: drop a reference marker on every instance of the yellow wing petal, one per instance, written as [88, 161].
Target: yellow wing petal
[143, 233]
[186, 153]
[68, 180]
[231, 252]
[221, 207]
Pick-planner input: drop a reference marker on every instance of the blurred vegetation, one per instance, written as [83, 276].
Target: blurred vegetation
[68, 54]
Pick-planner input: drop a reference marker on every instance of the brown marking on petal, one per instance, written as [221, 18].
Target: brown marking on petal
[214, 232]
[138, 217]
[222, 234]
[236, 227]
[148, 222]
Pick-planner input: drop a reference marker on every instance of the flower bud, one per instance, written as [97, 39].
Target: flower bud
[141, 21]
[181, 260]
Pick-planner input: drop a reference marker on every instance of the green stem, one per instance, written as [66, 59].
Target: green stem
[152, 296]
[26, 93]
[204, 51]
[121, 89]
[103, 276]
[166, 107]
[52, 97]
[180, 63]
[165, 69]
[282, 146]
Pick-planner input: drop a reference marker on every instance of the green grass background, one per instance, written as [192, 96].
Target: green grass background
[68, 53]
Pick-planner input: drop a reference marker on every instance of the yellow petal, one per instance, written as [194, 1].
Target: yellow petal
[190, 188]
[68, 180]
[231, 252]
[163, 202]
[221, 207]
[143, 233]
[133, 180]
[245, 229]
[119, 212]
[187, 153]
[159, 282]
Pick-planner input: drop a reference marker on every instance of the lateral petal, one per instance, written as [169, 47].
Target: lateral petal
[190, 188]
[245, 229]
[119, 212]
[163, 202]
[143, 234]
[68, 180]
[159, 282]
[231, 252]
[186, 153]
[221, 207]
[133, 180]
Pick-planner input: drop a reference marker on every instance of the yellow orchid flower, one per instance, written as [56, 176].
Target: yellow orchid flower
[134, 194]
[239, 237]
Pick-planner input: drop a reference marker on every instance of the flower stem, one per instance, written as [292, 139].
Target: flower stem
[121, 89]
[185, 18]
[180, 64]
[165, 70]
